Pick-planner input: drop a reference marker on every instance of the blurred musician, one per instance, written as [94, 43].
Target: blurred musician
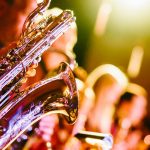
[144, 142]
[108, 83]
[13, 13]
[130, 111]
[102, 89]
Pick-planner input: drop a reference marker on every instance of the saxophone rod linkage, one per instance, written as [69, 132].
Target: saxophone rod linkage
[41, 8]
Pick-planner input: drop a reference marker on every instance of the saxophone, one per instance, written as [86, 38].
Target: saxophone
[19, 110]
[54, 95]
[37, 36]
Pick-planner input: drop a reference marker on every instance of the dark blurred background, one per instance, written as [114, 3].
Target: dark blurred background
[109, 32]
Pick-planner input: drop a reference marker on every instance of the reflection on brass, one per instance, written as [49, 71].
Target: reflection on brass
[19, 110]
[96, 139]
[54, 95]
[37, 36]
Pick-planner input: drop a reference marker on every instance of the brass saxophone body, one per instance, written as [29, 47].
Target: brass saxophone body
[54, 95]
[19, 110]
[37, 36]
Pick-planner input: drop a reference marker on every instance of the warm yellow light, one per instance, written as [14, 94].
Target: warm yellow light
[102, 18]
[131, 13]
[98, 142]
[39, 1]
[135, 61]
[132, 4]
[147, 140]
[136, 89]
[107, 69]
[89, 93]
[49, 146]
[95, 138]
[80, 84]
[93, 141]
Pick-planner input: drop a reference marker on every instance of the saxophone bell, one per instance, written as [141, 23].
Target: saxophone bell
[54, 95]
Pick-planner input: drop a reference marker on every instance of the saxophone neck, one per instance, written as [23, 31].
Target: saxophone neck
[42, 6]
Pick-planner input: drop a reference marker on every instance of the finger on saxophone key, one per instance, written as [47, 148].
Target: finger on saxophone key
[31, 72]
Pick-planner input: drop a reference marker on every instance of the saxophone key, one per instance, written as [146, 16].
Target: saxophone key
[24, 80]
